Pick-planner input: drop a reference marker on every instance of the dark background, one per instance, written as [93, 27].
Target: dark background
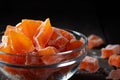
[88, 17]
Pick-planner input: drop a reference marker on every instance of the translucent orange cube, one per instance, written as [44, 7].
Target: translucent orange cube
[89, 64]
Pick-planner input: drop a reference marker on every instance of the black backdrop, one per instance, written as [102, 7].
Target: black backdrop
[88, 17]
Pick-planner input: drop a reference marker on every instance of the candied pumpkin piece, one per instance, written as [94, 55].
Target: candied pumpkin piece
[20, 43]
[114, 75]
[15, 42]
[94, 41]
[89, 64]
[5, 45]
[110, 50]
[5, 49]
[42, 37]
[114, 60]
[74, 44]
[47, 51]
[65, 33]
[57, 40]
[29, 27]
[49, 55]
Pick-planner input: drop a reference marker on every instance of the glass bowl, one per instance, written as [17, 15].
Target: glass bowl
[61, 70]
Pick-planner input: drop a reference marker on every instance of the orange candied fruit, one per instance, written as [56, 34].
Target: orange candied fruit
[45, 32]
[74, 44]
[11, 43]
[66, 34]
[94, 41]
[36, 37]
[49, 55]
[47, 51]
[89, 64]
[114, 60]
[29, 27]
[110, 50]
[5, 45]
[58, 40]
[21, 44]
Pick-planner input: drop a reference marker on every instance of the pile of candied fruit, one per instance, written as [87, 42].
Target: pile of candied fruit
[37, 43]
[36, 37]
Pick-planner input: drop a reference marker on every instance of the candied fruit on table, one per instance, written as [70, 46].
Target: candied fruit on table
[114, 75]
[114, 60]
[89, 64]
[94, 41]
[110, 50]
